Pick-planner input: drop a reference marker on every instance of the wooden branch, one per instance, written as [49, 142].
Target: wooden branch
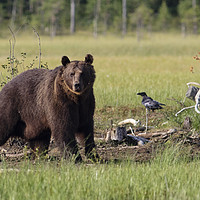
[39, 43]
[12, 50]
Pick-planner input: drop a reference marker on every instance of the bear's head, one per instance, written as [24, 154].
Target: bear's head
[78, 76]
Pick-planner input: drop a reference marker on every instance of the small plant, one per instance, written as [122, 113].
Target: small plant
[26, 152]
[14, 66]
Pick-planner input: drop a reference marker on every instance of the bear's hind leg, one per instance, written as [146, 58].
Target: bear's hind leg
[8, 130]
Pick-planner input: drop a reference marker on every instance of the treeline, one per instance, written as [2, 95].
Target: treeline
[56, 17]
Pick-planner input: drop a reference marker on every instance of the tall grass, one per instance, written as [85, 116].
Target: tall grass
[168, 176]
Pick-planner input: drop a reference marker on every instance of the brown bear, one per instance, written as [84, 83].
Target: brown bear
[41, 103]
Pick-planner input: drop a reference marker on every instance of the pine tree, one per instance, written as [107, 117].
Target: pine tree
[142, 19]
[164, 17]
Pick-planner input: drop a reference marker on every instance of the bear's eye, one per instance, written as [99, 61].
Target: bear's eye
[72, 74]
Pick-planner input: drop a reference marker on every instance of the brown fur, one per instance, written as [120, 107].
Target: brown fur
[41, 103]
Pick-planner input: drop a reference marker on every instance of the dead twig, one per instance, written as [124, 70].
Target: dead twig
[39, 43]
[12, 50]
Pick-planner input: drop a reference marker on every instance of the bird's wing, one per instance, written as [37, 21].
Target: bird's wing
[162, 104]
[151, 104]
[148, 103]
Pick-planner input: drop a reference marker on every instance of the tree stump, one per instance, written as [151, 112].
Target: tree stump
[120, 133]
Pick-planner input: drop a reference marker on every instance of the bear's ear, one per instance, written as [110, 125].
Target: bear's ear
[65, 60]
[89, 59]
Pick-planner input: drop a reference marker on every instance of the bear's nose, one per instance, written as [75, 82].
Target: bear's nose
[77, 87]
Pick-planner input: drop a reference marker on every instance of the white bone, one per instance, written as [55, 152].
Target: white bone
[130, 121]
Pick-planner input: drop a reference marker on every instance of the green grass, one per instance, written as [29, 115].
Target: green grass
[168, 176]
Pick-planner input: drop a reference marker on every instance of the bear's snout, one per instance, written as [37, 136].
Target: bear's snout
[77, 87]
[77, 82]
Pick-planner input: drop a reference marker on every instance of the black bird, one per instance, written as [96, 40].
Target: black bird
[150, 104]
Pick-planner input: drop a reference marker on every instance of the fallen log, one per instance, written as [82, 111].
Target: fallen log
[15, 155]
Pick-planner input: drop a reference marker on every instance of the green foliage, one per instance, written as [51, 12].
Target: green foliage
[164, 17]
[154, 5]
[142, 17]
[189, 15]
[53, 17]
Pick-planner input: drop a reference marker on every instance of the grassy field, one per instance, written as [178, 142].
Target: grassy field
[160, 66]
[169, 176]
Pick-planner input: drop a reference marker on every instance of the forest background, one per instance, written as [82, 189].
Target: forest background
[100, 17]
